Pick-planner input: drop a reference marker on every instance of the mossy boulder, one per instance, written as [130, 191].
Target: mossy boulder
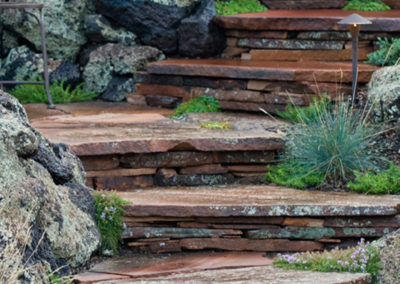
[43, 197]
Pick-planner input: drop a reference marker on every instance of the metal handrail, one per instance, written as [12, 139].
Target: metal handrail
[40, 20]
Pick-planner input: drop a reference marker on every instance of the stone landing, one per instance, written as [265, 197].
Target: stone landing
[254, 218]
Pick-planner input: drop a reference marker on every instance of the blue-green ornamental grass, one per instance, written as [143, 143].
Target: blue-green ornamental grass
[109, 213]
[362, 258]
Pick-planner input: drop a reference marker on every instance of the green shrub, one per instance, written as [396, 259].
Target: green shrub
[388, 53]
[366, 5]
[335, 145]
[385, 182]
[362, 258]
[303, 114]
[293, 175]
[59, 92]
[200, 104]
[108, 215]
[217, 125]
[233, 7]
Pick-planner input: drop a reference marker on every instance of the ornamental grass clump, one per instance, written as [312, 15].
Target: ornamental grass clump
[334, 145]
[361, 259]
[109, 213]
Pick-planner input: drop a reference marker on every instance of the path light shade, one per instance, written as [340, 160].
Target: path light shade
[354, 22]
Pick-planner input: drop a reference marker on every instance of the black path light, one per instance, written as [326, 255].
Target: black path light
[354, 22]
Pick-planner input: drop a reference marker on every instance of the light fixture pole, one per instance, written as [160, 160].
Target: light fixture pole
[354, 22]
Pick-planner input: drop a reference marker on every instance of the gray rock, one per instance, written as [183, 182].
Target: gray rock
[384, 93]
[116, 59]
[63, 23]
[199, 35]
[154, 23]
[99, 29]
[8, 41]
[55, 221]
[117, 88]
[68, 71]
[389, 247]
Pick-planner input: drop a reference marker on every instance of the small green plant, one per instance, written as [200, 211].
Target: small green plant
[366, 5]
[200, 104]
[385, 182]
[362, 258]
[109, 213]
[388, 53]
[233, 7]
[303, 114]
[55, 279]
[334, 145]
[60, 93]
[291, 174]
[217, 125]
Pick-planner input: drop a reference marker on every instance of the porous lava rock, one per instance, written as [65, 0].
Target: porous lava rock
[384, 93]
[63, 24]
[155, 22]
[113, 60]
[45, 208]
[199, 36]
[389, 247]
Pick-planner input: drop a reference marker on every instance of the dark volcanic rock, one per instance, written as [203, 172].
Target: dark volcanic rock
[199, 35]
[154, 23]
[68, 71]
[117, 88]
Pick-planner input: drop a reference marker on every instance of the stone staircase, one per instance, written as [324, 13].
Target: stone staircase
[272, 58]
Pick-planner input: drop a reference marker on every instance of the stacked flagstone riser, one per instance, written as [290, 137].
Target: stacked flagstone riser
[299, 45]
[176, 168]
[168, 91]
[264, 234]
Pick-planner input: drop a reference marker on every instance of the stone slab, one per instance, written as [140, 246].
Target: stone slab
[303, 4]
[121, 172]
[205, 169]
[178, 233]
[193, 180]
[98, 163]
[249, 245]
[304, 222]
[265, 274]
[290, 44]
[224, 226]
[251, 107]
[123, 183]
[240, 157]
[104, 134]
[262, 70]
[96, 277]
[255, 201]
[308, 55]
[375, 222]
[257, 34]
[309, 20]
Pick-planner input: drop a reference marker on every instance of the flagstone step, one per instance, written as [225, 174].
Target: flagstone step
[333, 72]
[253, 218]
[309, 20]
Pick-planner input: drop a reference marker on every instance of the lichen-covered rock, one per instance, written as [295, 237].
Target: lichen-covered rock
[63, 23]
[154, 23]
[68, 71]
[8, 41]
[21, 64]
[199, 35]
[44, 203]
[389, 247]
[384, 93]
[117, 88]
[116, 59]
[99, 29]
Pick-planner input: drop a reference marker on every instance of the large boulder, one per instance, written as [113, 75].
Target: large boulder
[63, 24]
[384, 93]
[199, 36]
[389, 247]
[155, 22]
[46, 212]
[116, 60]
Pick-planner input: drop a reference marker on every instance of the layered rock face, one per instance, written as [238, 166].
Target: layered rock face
[45, 207]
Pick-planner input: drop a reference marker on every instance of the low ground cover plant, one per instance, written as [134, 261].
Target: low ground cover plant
[217, 125]
[388, 53]
[109, 213]
[60, 92]
[328, 149]
[366, 5]
[232, 7]
[362, 258]
[200, 104]
[385, 182]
